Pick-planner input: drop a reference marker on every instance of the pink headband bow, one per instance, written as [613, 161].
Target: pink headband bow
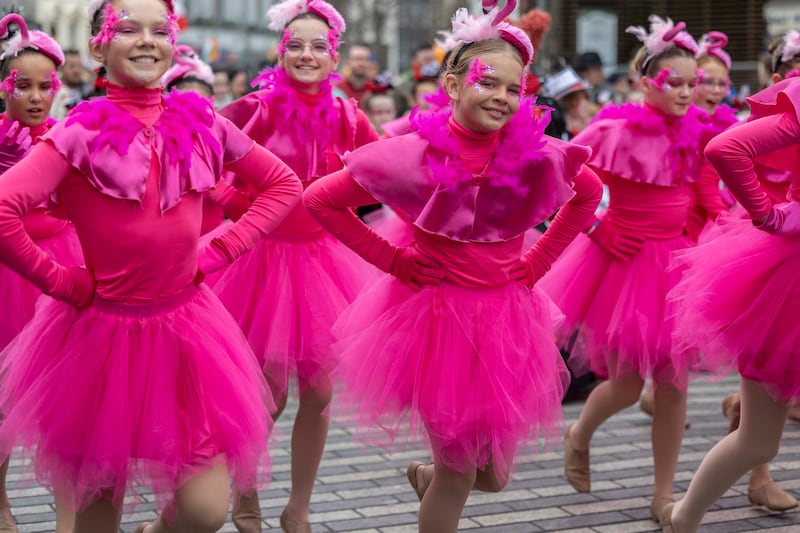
[96, 5]
[24, 40]
[187, 65]
[282, 14]
[791, 45]
[712, 44]
[491, 25]
[664, 34]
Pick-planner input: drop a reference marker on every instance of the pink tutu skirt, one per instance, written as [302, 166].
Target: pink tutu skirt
[286, 293]
[475, 372]
[19, 295]
[118, 394]
[738, 303]
[618, 320]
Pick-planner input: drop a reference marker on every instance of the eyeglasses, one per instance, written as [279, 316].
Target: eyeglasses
[295, 48]
[711, 84]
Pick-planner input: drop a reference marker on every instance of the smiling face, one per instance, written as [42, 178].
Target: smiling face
[308, 58]
[671, 90]
[32, 98]
[141, 50]
[487, 103]
[713, 88]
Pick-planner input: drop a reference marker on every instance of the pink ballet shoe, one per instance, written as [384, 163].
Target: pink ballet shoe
[411, 474]
[576, 465]
[657, 507]
[772, 497]
[7, 522]
[294, 526]
[247, 516]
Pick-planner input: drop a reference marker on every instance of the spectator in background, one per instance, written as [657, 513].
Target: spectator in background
[572, 94]
[616, 91]
[222, 89]
[380, 108]
[240, 83]
[356, 72]
[74, 87]
[590, 67]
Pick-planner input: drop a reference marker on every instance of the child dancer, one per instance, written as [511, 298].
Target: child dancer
[613, 281]
[134, 371]
[455, 343]
[29, 70]
[287, 293]
[739, 297]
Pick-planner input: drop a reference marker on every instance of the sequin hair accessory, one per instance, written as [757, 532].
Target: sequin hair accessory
[28, 40]
[282, 14]
[491, 25]
[187, 65]
[791, 45]
[664, 34]
[712, 44]
[96, 5]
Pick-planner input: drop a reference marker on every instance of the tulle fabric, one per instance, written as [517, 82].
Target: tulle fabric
[118, 394]
[286, 293]
[737, 305]
[19, 295]
[475, 372]
[618, 321]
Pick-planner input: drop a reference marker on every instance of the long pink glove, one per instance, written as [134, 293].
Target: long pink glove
[732, 153]
[782, 219]
[617, 243]
[15, 143]
[570, 220]
[233, 202]
[279, 190]
[331, 199]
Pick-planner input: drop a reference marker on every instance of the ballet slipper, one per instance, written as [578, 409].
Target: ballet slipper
[772, 497]
[665, 519]
[141, 527]
[576, 465]
[732, 409]
[293, 526]
[657, 506]
[7, 522]
[647, 403]
[411, 474]
[247, 516]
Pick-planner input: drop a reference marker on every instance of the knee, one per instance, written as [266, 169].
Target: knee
[629, 393]
[317, 397]
[203, 514]
[453, 481]
[492, 483]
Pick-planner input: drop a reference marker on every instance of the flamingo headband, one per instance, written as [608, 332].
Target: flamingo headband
[96, 5]
[491, 25]
[282, 14]
[187, 65]
[664, 34]
[28, 40]
[712, 45]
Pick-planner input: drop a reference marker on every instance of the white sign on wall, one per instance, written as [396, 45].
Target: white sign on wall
[597, 32]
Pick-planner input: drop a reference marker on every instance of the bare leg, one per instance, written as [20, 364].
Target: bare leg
[444, 500]
[101, 516]
[605, 400]
[7, 522]
[756, 442]
[201, 505]
[308, 442]
[667, 433]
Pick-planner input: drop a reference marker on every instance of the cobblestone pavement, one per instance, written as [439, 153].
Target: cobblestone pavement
[365, 489]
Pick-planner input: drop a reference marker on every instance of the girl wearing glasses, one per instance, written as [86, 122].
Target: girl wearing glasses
[287, 293]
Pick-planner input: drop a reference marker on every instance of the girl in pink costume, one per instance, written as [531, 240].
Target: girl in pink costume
[133, 371]
[455, 343]
[287, 293]
[29, 69]
[613, 281]
[738, 299]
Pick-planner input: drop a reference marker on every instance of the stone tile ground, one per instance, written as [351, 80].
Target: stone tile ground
[365, 489]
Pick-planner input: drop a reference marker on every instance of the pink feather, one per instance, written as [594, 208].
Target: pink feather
[281, 14]
[712, 45]
[23, 40]
[663, 35]
[791, 45]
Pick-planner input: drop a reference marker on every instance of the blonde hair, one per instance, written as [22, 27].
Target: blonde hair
[460, 58]
[649, 66]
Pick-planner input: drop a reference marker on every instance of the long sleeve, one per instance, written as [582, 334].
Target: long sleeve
[571, 219]
[279, 190]
[706, 191]
[23, 187]
[732, 153]
[233, 202]
[331, 199]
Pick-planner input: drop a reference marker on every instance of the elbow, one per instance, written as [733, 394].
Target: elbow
[311, 199]
[588, 187]
[724, 147]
